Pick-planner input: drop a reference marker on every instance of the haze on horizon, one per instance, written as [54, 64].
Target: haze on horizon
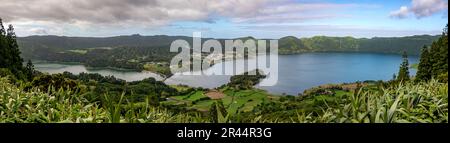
[226, 18]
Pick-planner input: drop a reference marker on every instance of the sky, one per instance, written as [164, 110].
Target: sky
[226, 18]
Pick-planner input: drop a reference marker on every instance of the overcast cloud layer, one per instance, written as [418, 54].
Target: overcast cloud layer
[157, 12]
[60, 17]
[421, 8]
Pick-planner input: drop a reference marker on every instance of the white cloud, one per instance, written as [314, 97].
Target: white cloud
[424, 8]
[421, 8]
[403, 12]
[358, 31]
[38, 31]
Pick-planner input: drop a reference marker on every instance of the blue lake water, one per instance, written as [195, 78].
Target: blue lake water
[296, 72]
[300, 72]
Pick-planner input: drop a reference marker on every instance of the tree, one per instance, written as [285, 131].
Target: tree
[9, 52]
[15, 59]
[29, 70]
[425, 66]
[403, 73]
[246, 80]
[3, 48]
[434, 60]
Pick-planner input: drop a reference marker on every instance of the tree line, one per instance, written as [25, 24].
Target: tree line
[11, 64]
[434, 60]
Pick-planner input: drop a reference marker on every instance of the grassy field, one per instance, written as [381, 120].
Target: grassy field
[82, 52]
[234, 101]
[157, 68]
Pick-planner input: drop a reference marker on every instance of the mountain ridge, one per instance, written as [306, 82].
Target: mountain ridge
[136, 51]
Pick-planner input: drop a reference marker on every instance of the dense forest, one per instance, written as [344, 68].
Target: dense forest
[390, 45]
[28, 96]
[434, 60]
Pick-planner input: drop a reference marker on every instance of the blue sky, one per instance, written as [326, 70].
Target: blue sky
[229, 18]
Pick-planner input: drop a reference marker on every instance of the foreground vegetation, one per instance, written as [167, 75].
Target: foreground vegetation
[419, 103]
[405, 103]
[67, 106]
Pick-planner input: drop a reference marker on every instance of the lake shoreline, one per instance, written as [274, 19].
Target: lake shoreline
[310, 70]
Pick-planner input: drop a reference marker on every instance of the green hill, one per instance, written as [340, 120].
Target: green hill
[392, 45]
[136, 51]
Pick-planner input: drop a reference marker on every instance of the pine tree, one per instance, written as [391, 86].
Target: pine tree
[444, 51]
[425, 66]
[403, 73]
[15, 59]
[439, 55]
[434, 60]
[29, 69]
[2, 28]
[3, 44]
[9, 52]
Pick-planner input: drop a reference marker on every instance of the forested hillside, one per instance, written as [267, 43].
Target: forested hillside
[391, 45]
[152, 52]
[36, 46]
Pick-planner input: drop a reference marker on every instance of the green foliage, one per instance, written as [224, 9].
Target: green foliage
[30, 72]
[425, 102]
[162, 68]
[44, 82]
[138, 91]
[395, 45]
[291, 45]
[403, 73]
[67, 106]
[424, 68]
[443, 77]
[405, 103]
[246, 80]
[4, 72]
[9, 52]
[434, 60]
[218, 112]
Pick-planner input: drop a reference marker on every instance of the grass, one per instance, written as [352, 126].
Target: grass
[82, 52]
[191, 97]
[234, 101]
[180, 88]
[244, 100]
[248, 107]
[196, 96]
[157, 68]
[203, 105]
[415, 66]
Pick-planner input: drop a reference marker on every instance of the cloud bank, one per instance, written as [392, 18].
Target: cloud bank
[158, 12]
[421, 9]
